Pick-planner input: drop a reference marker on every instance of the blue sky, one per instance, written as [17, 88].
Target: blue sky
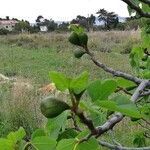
[59, 10]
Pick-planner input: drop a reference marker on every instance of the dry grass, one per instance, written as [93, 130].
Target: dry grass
[35, 41]
[114, 41]
[19, 107]
[100, 41]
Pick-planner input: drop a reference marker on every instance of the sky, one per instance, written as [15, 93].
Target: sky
[58, 10]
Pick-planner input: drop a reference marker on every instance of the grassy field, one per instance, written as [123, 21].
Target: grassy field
[33, 56]
[29, 58]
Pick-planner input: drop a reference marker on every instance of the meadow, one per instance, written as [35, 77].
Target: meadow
[28, 58]
[32, 56]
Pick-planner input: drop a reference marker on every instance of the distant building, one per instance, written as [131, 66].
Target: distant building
[8, 24]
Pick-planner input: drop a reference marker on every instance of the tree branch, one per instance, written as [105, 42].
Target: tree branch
[80, 114]
[114, 72]
[108, 125]
[147, 93]
[137, 8]
[139, 90]
[98, 131]
[116, 147]
[87, 122]
[112, 121]
[118, 116]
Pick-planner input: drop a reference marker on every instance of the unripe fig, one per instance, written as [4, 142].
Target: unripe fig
[52, 107]
[79, 53]
[74, 39]
[83, 38]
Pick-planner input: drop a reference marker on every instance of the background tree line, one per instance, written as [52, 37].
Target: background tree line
[107, 21]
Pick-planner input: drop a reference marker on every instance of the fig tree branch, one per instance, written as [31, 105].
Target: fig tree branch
[118, 73]
[147, 93]
[137, 8]
[118, 116]
[116, 147]
[86, 121]
[109, 124]
[115, 72]
[138, 90]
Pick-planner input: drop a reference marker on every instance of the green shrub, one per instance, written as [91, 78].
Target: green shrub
[3, 31]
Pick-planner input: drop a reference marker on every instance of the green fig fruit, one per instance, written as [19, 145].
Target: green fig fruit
[83, 38]
[52, 107]
[74, 39]
[79, 53]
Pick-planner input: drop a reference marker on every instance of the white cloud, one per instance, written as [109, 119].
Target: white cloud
[58, 9]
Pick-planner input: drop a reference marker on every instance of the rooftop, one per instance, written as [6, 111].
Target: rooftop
[8, 22]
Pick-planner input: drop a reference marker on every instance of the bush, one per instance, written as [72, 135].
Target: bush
[121, 26]
[4, 31]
